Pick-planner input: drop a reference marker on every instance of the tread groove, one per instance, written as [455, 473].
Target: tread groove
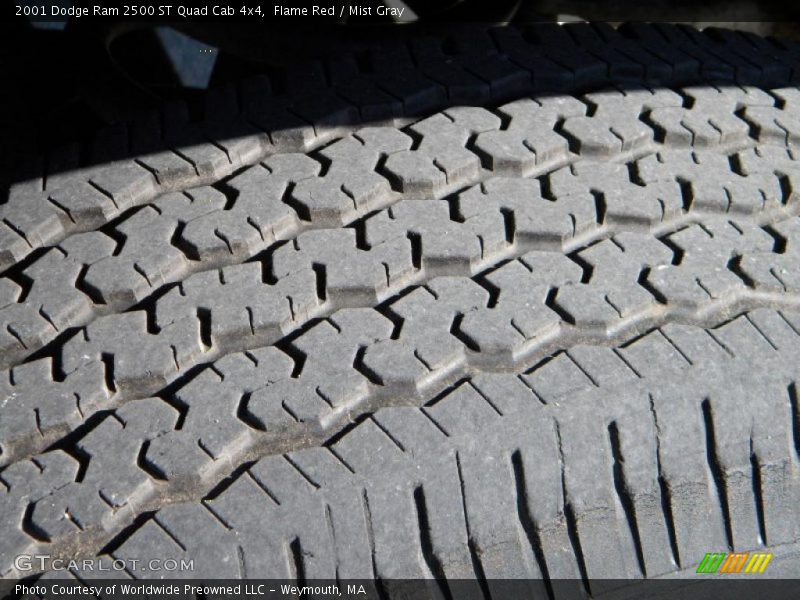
[666, 495]
[624, 495]
[716, 470]
[426, 545]
[570, 520]
[526, 520]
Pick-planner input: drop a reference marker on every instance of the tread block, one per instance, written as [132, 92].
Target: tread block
[773, 271]
[424, 354]
[504, 331]
[350, 186]
[711, 119]
[710, 184]
[441, 163]
[329, 386]
[615, 125]
[148, 259]
[442, 246]
[23, 485]
[529, 145]
[113, 482]
[612, 292]
[706, 251]
[37, 410]
[776, 124]
[557, 378]
[257, 217]
[352, 276]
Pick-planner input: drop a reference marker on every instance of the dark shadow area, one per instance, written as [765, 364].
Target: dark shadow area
[68, 81]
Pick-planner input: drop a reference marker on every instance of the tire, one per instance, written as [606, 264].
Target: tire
[522, 306]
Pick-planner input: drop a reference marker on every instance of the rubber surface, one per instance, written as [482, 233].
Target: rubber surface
[548, 330]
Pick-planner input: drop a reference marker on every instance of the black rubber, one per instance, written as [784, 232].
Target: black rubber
[508, 303]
